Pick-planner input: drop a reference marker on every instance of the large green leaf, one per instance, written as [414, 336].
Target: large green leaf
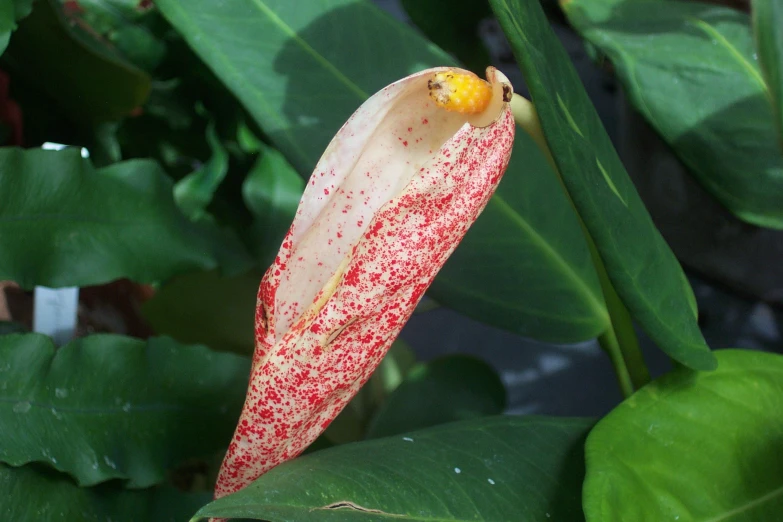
[301, 74]
[691, 70]
[43, 495]
[452, 388]
[639, 263]
[495, 468]
[90, 81]
[110, 407]
[768, 30]
[63, 223]
[693, 447]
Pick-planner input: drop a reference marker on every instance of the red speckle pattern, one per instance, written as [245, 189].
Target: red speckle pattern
[303, 377]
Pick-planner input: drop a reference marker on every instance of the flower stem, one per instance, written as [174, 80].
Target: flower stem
[619, 340]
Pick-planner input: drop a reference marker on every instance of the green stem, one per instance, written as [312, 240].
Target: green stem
[609, 343]
[619, 340]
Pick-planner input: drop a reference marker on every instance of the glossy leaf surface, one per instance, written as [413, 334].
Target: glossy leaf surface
[110, 407]
[640, 264]
[301, 78]
[693, 447]
[494, 468]
[64, 223]
[691, 69]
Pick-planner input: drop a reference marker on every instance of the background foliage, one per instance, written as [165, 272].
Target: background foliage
[203, 121]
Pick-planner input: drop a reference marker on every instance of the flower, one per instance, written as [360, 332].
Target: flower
[392, 196]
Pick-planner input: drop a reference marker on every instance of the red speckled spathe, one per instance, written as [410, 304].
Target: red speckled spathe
[390, 199]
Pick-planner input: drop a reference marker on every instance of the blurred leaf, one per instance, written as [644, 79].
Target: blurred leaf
[301, 79]
[7, 23]
[43, 495]
[11, 11]
[494, 468]
[195, 191]
[453, 27]
[66, 224]
[271, 191]
[693, 446]
[351, 424]
[110, 407]
[768, 31]
[90, 81]
[452, 388]
[640, 264]
[9, 327]
[125, 26]
[22, 7]
[690, 68]
[207, 308]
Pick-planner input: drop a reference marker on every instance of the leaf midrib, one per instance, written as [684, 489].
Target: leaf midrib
[748, 505]
[555, 256]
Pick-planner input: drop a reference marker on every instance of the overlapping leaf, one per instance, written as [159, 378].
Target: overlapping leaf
[639, 263]
[110, 407]
[691, 69]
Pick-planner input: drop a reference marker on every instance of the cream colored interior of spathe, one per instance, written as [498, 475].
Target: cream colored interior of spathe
[406, 137]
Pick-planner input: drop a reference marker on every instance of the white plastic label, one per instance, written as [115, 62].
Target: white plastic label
[55, 312]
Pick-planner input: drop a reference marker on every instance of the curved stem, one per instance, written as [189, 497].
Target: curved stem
[619, 340]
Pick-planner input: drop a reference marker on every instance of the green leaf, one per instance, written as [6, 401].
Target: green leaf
[494, 468]
[128, 27]
[195, 191]
[63, 223]
[693, 447]
[110, 407]
[452, 388]
[768, 32]
[11, 11]
[7, 23]
[639, 263]
[43, 495]
[690, 69]
[301, 80]
[207, 308]
[271, 191]
[89, 81]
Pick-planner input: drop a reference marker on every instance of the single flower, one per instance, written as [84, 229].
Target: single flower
[390, 199]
